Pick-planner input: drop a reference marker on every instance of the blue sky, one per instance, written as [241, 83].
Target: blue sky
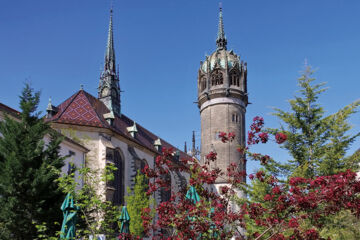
[59, 45]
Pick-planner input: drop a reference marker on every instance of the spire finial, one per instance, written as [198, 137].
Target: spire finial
[49, 106]
[221, 41]
[110, 52]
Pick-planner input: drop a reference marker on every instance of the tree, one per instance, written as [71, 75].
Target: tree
[29, 193]
[297, 209]
[96, 214]
[136, 202]
[317, 143]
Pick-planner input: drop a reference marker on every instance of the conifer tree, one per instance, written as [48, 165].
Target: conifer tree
[29, 167]
[136, 202]
[316, 143]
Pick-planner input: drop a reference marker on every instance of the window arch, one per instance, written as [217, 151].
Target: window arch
[216, 78]
[165, 192]
[114, 157]
[235, 78]
[203, 83]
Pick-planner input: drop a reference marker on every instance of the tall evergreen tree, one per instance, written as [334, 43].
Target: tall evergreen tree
[316, 143]
[29, 194]
[136, 201]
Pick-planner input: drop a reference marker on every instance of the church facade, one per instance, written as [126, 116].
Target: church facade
[98, 133]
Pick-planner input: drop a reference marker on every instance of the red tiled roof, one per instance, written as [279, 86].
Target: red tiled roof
[8, 109]
[84, 109]
[16, 113]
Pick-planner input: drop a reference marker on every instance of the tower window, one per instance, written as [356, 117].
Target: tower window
[216, 78]
[203, 83]
[235, 79]
[233, 118]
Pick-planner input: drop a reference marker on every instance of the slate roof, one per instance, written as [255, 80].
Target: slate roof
[85, 110]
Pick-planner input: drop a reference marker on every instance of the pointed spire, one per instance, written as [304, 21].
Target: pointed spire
[110, 52]
[193, 150]
[109, 87]
[185, 148]
[221, 41]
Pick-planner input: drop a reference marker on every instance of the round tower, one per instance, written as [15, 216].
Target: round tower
[222, 100]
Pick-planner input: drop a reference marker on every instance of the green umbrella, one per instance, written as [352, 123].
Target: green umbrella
[125, 220]
[213, 226]
[69, 211]
[192, 195]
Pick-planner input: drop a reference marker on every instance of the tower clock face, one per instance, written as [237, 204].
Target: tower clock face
[105, 92]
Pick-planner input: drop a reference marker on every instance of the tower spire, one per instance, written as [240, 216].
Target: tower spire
[221, 41]
[110, 52]
[109, 88]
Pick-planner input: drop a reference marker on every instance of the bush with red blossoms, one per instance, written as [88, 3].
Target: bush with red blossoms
[282, 215]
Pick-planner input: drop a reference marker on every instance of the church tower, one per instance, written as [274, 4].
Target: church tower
[222, 100]
[109, 89]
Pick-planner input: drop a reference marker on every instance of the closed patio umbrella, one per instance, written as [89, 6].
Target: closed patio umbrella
[125, 221]
[69, 211]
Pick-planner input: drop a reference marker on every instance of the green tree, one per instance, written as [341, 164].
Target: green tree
[96, 214]
[316, 143]
[136, 201]
[29, 193]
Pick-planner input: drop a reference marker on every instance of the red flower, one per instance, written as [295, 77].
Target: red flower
[211, 156]
[293, 223]
[251, 176]
[263, 137]
[280, 138]
[276, 190]
[231, 136]
[268, 197]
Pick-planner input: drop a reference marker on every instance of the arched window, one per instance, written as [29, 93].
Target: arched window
[216, 78]
[203, 83]
[235, 78]
[113, 156]
[165, 192]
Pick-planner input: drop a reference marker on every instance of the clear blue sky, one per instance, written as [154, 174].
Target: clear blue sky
[58, 45]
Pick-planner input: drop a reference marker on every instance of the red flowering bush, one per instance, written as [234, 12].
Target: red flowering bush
[222, 215]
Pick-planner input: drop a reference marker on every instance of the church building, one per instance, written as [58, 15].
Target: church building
[111, 137]
[99, 133]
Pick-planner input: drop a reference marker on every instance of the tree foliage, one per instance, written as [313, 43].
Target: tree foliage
[316, 143]
[136, 201]
[97, 215]
[29, 167]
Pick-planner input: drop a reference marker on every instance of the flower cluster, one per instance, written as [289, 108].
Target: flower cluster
[225, 137]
